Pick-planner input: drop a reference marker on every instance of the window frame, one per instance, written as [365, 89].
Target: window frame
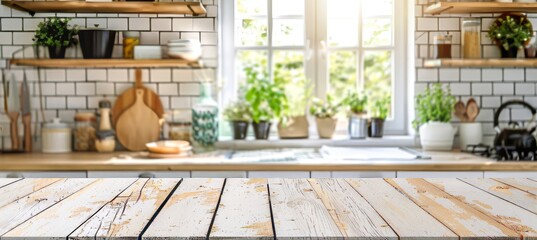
[315, 20]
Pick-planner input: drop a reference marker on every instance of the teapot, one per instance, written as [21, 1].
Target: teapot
[515, 137]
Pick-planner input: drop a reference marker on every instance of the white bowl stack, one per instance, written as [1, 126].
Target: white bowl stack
[186, 49]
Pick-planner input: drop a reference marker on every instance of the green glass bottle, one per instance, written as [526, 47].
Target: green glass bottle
[205, 119]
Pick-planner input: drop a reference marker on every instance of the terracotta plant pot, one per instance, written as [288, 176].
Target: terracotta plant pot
[326, 127]
[262, 130]
[296, 128]
[240, 129]
[376, 128]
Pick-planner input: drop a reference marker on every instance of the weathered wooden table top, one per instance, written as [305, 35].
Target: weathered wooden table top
[268, 208]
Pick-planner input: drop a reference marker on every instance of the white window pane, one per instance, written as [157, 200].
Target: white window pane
[343, 8]
[342, 32]
[288, 7]
[288, 69]
[343, 72]
[250, 61]
[251, 32]
[251, 7]
[373, 8]
[377, 32]
[288, 32]
[378, 74]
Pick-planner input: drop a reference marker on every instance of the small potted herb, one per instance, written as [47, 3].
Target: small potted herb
[434, 109]
[57, 35]
[325, 115]
[357, 103]
[511, 32]
[238, 114]
[294, 123]
[267, 101]
[379, 113]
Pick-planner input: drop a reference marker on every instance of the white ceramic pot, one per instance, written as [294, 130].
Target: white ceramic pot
[437, 136]
[470, 134]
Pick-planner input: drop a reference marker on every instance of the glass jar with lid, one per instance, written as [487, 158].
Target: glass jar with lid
[180, 130]
[471, 38]
[84, 132]
[442, 46]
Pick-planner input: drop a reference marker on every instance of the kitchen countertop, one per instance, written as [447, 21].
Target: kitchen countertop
[174, 208]
[440, 161]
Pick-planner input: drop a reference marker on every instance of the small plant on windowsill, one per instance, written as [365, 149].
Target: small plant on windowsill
[325, 115]
[294, 122]
[239, 115]
[57, 35]
[357, 104]
[379, 112]
[434, 109]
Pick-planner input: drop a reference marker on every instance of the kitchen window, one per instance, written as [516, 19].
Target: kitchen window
[336, 44]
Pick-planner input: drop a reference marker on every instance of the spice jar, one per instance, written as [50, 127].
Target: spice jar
[442, 46]
[84, 132]
[130, 40]
[180, 131]
[471, 38]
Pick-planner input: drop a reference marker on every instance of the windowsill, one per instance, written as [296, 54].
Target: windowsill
[343, 141]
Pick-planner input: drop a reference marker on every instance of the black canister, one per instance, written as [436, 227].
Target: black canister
[96, 42]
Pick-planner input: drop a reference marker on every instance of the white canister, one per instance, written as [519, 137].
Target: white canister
[470, 134]
[56, 137]
[437, 136]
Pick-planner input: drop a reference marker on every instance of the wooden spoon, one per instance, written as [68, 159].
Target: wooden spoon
[460, 111]
[472, 110]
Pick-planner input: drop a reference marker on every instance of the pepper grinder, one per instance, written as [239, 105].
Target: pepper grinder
[105, 141]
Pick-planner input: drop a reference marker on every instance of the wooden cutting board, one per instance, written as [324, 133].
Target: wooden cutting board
[138, 125]
[128, 97]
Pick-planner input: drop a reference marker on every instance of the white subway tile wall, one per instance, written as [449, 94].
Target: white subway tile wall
[68, 91]
[489, 86]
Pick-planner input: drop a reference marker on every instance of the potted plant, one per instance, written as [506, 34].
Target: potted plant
[267, 101]
[294, 123]
[357, 103]
[238, 114]
[57, 35]
[511, 32]
[325, 115]
[434, 109]
[379, 113]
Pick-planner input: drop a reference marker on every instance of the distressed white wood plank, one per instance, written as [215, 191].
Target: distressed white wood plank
[298, 212]
[510, 215]
[244, 211]
[25, 208]
[462, 219]
[196, 198]
[511, 194]
[129, 213]
[60, 220]
[523, 184]
[406, 218]
[355, 218]
[22, 188]
[6, 181]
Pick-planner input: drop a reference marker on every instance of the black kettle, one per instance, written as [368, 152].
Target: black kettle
[515, 138]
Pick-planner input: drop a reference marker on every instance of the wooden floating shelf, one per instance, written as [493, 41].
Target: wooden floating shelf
[480, 63]
[194, 8]
[479, 7]
[105, 63]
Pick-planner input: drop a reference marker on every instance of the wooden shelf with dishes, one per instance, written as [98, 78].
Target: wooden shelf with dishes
[73, 6]
[106, 63]
[481, 63]
[479, 7]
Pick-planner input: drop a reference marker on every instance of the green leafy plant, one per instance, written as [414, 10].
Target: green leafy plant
[381, 108]
[237, 111]
[325, 109]
[511, 32]
[56, 32]
[267, 100]
[357, 102]
[434, 105]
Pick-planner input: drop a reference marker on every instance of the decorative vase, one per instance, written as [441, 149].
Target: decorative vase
[240, 129]
[262, 130]
[510, 53]
[470, 134]
[358, 126]
[326, 127]
[376, 128]
[56, 52]
[437, 136]
[205, 119]
[294, 128]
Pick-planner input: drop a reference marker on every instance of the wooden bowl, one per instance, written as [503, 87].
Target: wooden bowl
[168, 147]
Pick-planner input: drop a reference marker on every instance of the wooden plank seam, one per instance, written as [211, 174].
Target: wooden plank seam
[216, 209]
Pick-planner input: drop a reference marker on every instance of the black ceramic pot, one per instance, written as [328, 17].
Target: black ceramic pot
[56, 52]
[97, 43]
[262, 130]
[511, 53]
[376, 128]
[240, 129]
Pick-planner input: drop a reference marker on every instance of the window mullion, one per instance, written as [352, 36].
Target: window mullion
[321, 55]
[360, 54]
[269, 42]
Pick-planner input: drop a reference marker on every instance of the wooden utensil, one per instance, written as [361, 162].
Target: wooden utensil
[128, 97]
[26, 114]
[472, 110]
[12, 110]
[460, 111]
[138, 125]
